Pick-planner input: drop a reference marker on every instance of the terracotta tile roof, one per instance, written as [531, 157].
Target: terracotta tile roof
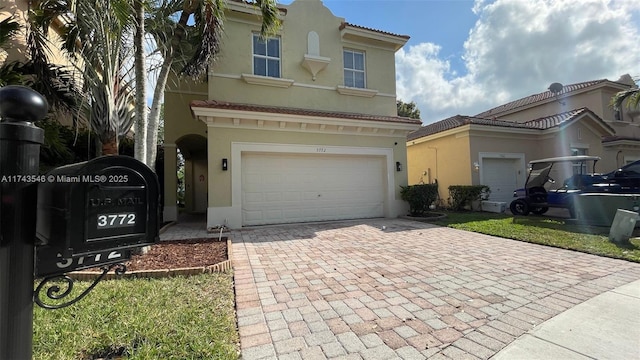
[345, 24]
[460, 120]
[547, 122]
[542, 123]
[540, 97]
[213, 104]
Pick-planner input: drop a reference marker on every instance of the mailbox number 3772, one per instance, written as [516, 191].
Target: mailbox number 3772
[116, 220]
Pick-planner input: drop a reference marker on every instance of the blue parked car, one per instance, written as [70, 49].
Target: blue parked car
[624, 180]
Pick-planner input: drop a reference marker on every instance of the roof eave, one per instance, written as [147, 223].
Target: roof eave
[204, 112]
[350, 32]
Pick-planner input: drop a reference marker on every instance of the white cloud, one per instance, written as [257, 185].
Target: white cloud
[518, 48]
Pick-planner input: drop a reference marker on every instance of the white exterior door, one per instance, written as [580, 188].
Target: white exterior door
[501, 176]
[290, 188]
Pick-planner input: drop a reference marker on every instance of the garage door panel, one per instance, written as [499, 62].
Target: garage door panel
[299, 188]
[250, 216]
[273, 196]
[254, 197]
[290, 196]
[272, 214]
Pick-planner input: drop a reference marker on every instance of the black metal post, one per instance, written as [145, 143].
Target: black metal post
[20, 142]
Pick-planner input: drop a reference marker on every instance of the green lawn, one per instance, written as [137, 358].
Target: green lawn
[172, 318]
[556, 232]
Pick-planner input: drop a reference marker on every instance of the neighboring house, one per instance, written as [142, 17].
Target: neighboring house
[301, 126]
[494, 147]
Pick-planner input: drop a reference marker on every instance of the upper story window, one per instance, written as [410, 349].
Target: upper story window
[581, 166]
[266, 56]
[354, 71]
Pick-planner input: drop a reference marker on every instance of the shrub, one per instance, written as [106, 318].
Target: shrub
[419, 197]
[461, 196]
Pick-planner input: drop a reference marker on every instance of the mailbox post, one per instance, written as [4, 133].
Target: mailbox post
[20, 144]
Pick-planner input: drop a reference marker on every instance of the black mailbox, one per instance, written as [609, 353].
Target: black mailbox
[107, 204]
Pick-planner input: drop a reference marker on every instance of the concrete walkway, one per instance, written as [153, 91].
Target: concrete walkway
[397, 289]
[604, 327]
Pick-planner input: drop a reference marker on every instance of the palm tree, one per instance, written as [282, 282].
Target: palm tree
[95, 36]
[204, 35]
[141, 118]
[97, 32]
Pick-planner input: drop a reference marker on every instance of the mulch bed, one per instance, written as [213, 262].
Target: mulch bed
[180, 254]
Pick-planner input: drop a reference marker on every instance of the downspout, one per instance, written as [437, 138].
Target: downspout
[436, 149]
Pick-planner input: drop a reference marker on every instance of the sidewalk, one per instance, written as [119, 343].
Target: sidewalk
[604, 327]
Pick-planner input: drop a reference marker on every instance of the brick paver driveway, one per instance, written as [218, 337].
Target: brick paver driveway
[354, 290]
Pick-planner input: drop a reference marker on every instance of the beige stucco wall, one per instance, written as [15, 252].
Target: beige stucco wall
[302, 17]
[177, 113]
[179, 122]
[445, 159]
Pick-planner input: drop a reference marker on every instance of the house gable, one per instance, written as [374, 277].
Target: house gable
[311, 67]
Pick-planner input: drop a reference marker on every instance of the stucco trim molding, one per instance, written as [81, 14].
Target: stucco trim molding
[228, 118]
[267, 81]
[344, 90]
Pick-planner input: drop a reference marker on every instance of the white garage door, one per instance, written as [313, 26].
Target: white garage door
[289, 188]
[501, 176]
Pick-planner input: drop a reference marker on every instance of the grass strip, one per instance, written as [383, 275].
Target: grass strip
[562, 233]
[170, 318]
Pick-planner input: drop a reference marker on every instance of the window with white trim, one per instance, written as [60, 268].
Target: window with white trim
[266, 56]
[579, 167]
[354, 70]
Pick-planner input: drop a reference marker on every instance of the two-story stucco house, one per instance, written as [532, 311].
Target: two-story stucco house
[494, 147]
[298, 127]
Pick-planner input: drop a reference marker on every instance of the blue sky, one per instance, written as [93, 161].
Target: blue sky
[465, 57]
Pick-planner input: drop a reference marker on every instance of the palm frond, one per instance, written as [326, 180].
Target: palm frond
[8, 29]
[58, 83]
[270, 21]
[209, 22]
[631, 96]
[10, 74]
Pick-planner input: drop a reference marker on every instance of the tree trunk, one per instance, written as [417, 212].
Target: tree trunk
[141, 146]
[110, 147]
[154, 117]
